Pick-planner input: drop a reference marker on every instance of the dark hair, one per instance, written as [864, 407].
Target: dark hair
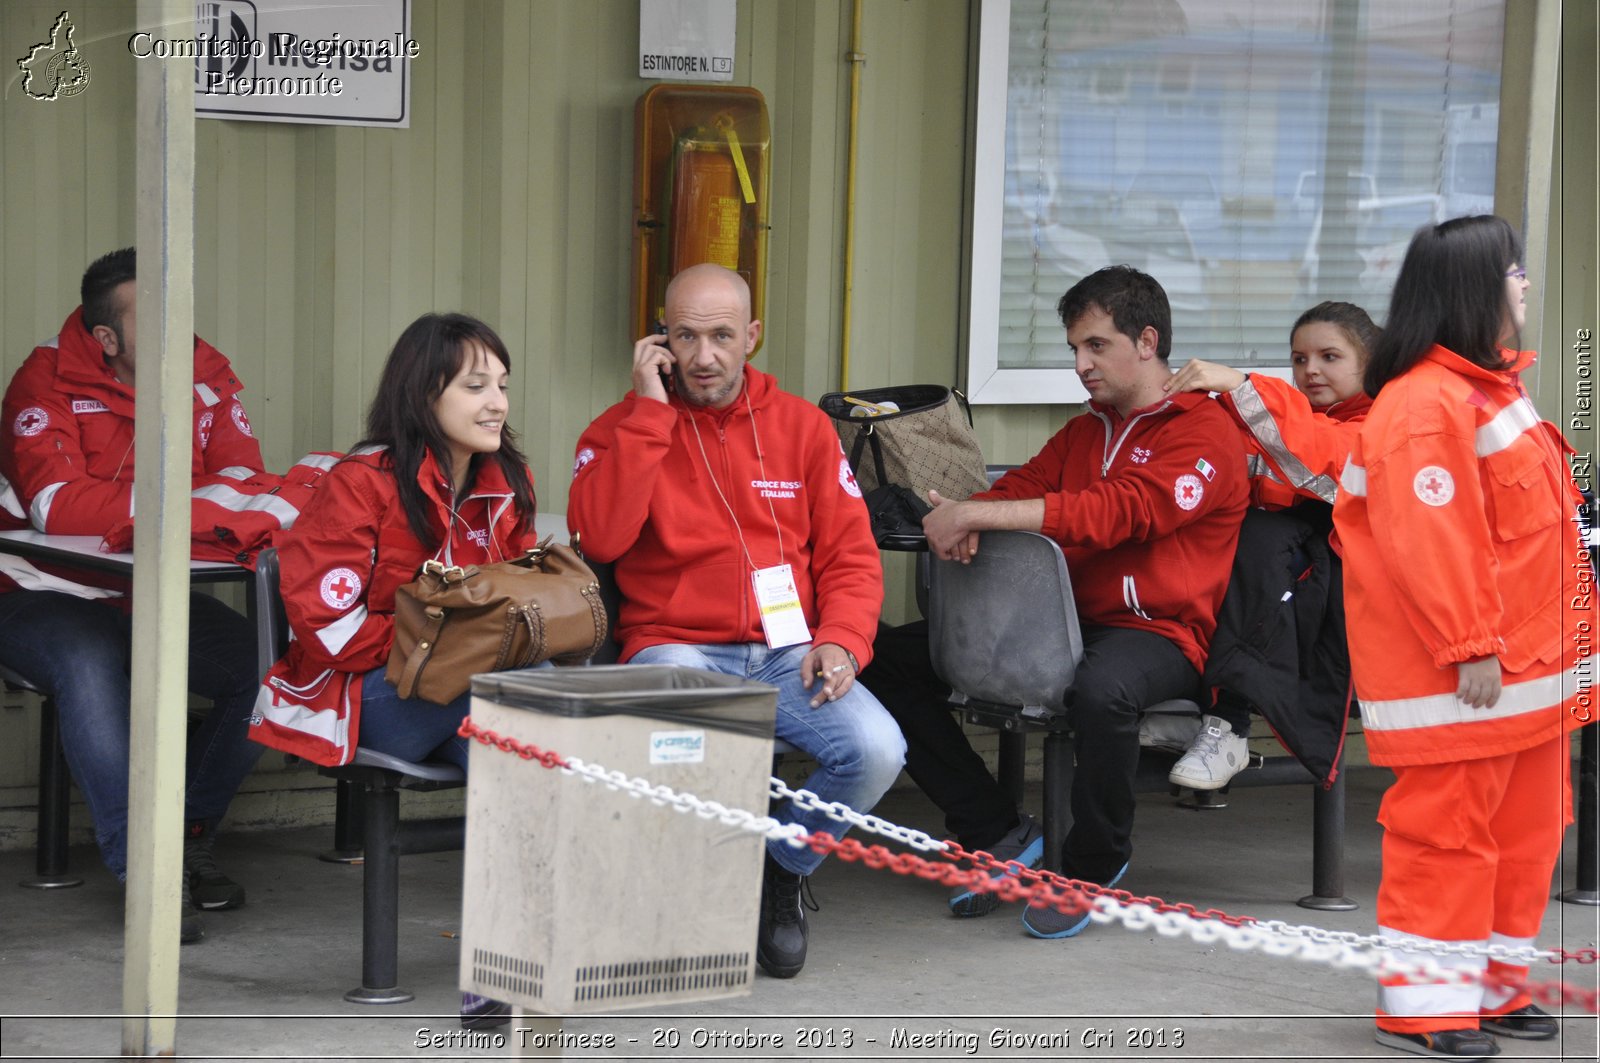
[1348, 318]
[1134, 300]
[1451, 291]
[98, 290]
[426, 357]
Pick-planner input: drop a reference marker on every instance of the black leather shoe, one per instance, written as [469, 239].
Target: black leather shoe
[781, 937]
[1463, 1045]
[1527, 1023]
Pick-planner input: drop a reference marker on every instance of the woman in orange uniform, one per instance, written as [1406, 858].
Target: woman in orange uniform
[1469, 596]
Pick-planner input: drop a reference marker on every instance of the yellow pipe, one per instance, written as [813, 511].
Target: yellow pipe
[855, 58]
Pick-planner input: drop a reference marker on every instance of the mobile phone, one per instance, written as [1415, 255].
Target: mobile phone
[667, 378]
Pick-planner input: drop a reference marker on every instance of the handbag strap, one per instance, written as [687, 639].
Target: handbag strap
[862, 437]
[966, 406]
[427, 639]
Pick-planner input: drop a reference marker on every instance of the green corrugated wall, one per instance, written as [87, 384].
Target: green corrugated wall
[508, 197]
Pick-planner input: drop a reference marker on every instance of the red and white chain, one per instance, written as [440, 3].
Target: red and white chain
[1343, 950]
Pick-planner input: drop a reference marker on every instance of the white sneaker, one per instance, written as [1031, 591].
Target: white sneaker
[1215, 756]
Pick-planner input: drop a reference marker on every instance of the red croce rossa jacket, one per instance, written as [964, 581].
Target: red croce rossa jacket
[1147, 512]
[339, 568]
[644, 497]
[67, 451]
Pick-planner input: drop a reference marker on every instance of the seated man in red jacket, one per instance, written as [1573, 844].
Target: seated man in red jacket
[741, 546]
[1145, 493]
[66, 458]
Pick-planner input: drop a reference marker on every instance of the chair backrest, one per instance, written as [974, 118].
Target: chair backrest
[272, 624]
[1004, 628]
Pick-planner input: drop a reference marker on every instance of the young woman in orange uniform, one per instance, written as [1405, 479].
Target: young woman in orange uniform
[1469, 597]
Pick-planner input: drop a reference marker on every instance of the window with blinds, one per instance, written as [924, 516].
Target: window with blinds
[1255, 156]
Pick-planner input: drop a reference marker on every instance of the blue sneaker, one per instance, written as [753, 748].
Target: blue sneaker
[1023, 843]
[483, 1013]
[1053, 923]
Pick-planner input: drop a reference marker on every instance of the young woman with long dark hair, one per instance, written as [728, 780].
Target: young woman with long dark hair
[438, 475]
[1469, 598]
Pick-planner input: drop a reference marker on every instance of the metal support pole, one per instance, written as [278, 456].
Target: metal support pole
[50, 852]
[1587, 797]
[1059, 769]
[348, 827]
[1013, 762]
[1327, 848]
[380, 908]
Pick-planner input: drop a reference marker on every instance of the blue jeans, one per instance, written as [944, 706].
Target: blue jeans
[76, 651]
[857, 745]
[410, 728]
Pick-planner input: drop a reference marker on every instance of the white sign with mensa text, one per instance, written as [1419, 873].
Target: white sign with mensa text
[687, 40]
[292, 61]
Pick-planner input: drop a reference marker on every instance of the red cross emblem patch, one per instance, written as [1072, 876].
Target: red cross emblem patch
[31, 422]
[1434, 485]
[240, 421]
[1188, 490]
[341, 587]
[847, 479]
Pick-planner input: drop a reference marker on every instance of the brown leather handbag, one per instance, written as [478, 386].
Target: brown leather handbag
[453, 622]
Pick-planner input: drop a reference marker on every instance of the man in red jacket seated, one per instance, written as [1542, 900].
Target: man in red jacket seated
[66, 458]
[741, 546]
[1145, 493]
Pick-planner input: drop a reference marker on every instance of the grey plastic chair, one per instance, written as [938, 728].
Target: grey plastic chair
[1003, 632]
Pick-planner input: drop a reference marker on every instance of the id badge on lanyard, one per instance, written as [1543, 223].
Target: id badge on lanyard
[782, 619]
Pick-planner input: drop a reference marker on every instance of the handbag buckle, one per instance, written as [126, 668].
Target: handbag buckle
[434, 567]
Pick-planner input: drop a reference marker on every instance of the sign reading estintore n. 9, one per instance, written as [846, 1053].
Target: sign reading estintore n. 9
[687, 40]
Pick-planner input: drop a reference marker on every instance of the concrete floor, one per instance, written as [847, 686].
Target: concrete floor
[267, 981]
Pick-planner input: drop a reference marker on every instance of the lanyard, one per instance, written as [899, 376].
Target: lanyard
[761, 463]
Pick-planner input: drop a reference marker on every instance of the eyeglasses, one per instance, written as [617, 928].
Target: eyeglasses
[1518, 274]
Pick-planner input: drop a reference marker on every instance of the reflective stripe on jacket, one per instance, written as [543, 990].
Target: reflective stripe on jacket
[1296, 451]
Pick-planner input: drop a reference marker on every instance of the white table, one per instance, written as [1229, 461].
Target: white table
[83, 551]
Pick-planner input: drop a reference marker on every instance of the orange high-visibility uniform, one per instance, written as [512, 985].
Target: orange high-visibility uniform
[1296, 450]
[1456, 517]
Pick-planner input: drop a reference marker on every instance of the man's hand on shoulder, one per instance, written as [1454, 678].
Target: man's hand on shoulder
[951, 533]
[832, 664]
[652, 358]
